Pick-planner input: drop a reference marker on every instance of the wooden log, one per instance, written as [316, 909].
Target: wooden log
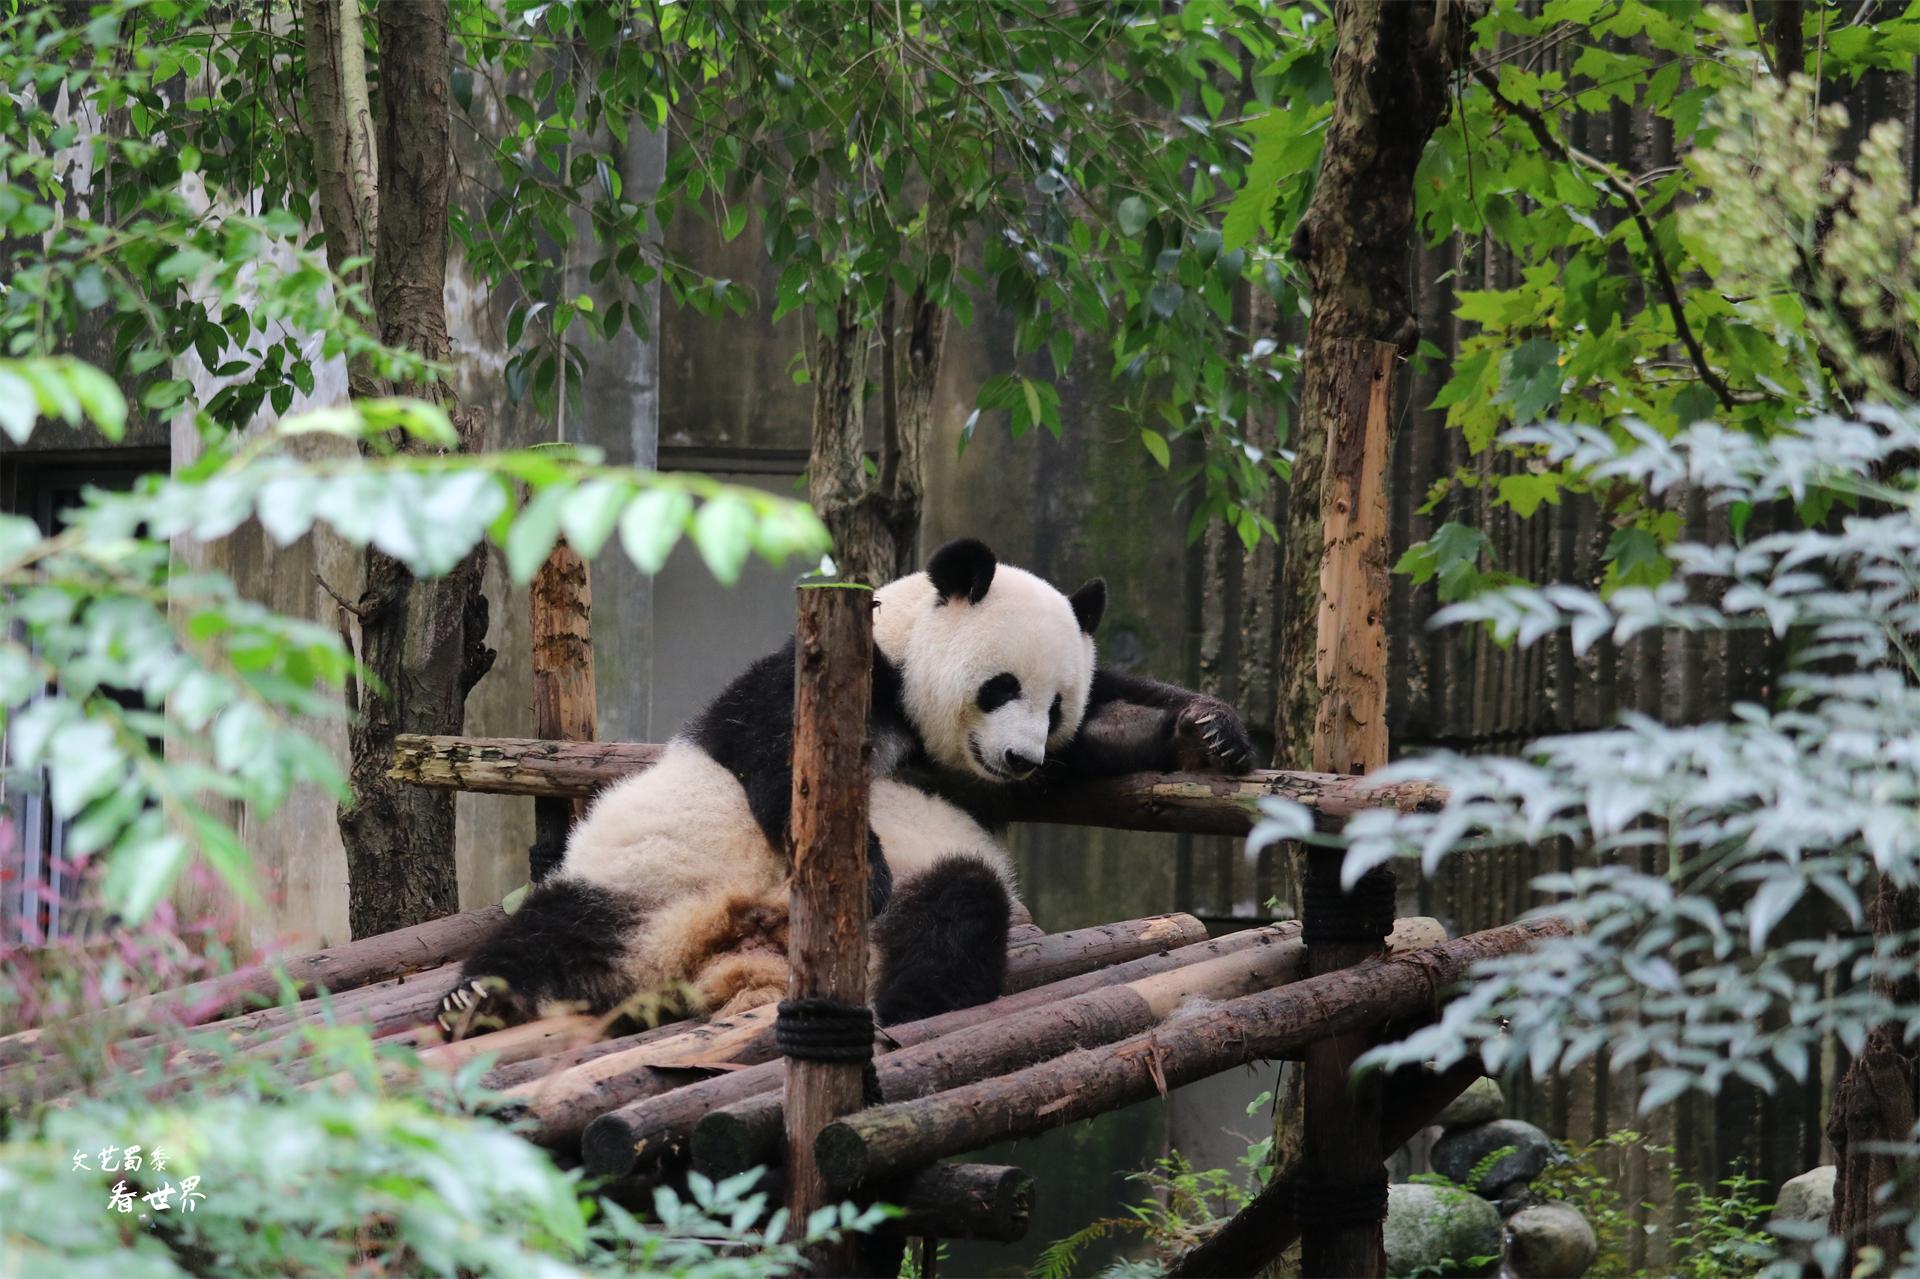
[1182, 803]
[336, 969]
[747, 1134]
[888, 1139]
[561, 620]
[1340, 1132]
[968, 1201]
[557, 1104]
[384, 1008]
[1250, 1240]
[507, 1075]
[827, 910]
[650, 1129]
[1051, 956]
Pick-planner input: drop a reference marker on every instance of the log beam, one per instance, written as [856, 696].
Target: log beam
[657, 1125]
[889, 1139]
[747, 1134]
[1180, 803]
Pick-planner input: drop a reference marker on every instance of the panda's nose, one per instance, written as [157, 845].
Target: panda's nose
[1020, 765]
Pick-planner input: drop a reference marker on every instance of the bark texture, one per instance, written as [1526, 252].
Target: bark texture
[827, 917]
[561, 619]
[423, 641]
[1392, 68]
[875, 516]
[1876, 1106]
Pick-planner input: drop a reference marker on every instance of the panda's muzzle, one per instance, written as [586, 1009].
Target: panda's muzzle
[1013, 767]
[1019, 766]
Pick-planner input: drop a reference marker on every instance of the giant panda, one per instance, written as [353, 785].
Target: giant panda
[674, 885]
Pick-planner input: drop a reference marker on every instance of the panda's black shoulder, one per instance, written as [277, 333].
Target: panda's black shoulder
[748, 728]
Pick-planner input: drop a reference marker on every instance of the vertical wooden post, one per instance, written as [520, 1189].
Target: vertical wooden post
[563, 695]
[1343, 1177]
[827, 930]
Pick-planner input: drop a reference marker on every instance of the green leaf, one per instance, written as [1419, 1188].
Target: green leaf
[533, 534]
[1525, 492]
[1531, 379]
[1637, 559]
[589, 518]
[652, 525]
[723, 531]
[1156, 444]
[19, 407]
[138, 876]
[1133, 215]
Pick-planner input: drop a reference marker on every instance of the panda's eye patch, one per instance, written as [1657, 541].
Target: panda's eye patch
[1053, 716]
[998, 691]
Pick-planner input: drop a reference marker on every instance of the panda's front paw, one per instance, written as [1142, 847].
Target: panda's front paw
[1208, 737]
[479, 1005]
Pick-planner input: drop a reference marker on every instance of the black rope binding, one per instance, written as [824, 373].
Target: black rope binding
[1352, 1203]
[824, 1030]
[1363, 915]
[828, 1030]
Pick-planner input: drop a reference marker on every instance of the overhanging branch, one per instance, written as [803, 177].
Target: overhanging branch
[1663, 274]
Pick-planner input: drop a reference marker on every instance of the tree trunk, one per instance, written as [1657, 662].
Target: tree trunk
[1391, 70]
[422, 641]
[1392, 67]
[1876, 1105]
[874, 514]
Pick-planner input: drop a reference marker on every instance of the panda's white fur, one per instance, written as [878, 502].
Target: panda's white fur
[682, 834]
[945, 648]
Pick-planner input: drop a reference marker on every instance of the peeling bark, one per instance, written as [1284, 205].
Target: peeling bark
[1391, 73]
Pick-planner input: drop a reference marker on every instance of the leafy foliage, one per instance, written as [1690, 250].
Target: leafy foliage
[143, 690]
[1697, 842]
[1718, 1231]
[386, 1176]
[149, 200]
[1085, 150]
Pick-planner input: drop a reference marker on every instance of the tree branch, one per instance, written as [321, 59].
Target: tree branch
[1620, 187]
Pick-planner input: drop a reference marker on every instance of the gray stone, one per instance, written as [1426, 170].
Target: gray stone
[1480, 1102]
[1456, 1154]
[1549, 1241]
[1439, 1231]
[1805, 1200]
[1808, 1197]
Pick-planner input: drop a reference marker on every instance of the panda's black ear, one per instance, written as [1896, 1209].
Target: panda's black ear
[1089, 602]
[963, 567]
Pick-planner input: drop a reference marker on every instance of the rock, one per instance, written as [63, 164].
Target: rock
[1806, 1199]
[1456, 1154]
[1480, 1102]
[1550, 1241]
[1440, 1231]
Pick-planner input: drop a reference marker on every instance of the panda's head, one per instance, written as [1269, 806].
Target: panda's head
[995, 663]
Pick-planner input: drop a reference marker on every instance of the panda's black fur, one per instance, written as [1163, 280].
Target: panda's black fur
[940, 936]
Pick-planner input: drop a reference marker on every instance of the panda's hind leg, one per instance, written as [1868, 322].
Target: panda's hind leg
[942, 941]
[566, 947]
